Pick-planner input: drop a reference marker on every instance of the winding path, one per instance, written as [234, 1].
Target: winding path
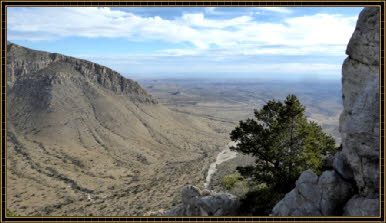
[223, 156]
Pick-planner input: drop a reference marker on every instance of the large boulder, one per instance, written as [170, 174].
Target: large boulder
[195, 203]
[315, 196]
[335, 192]
[190, 194]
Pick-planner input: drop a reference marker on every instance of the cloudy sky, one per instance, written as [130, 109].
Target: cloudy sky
[226, 42]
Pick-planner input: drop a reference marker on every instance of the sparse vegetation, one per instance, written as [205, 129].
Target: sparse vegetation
[12, 214]
[230, 181]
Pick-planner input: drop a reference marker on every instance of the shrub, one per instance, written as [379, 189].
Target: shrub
[240, 188]
[229, 181]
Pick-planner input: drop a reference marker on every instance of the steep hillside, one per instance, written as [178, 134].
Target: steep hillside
[82, 139]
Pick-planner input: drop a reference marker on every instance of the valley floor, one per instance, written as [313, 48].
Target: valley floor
[226, 102]
[231, 100]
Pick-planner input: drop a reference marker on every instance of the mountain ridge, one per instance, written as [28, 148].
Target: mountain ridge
[19, 68]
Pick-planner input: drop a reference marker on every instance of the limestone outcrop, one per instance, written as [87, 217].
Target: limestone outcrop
[359, 121]
[195, 203]
[315, 196]
[359, 206]
[352, 188]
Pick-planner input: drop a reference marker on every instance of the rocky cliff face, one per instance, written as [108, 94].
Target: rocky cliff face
[23, 63]
[352, 188]
[359, 121]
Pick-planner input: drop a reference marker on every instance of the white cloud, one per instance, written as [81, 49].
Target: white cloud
[276, 9]
[212, 11]
[319, 33]
[323, 28]
[199, 20]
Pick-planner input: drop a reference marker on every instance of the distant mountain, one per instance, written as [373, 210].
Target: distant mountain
[25, 65]
[82, 139]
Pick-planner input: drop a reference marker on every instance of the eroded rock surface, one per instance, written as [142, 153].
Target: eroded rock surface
[315, 196]
[359, 121]
[359, 206]
[195, 204]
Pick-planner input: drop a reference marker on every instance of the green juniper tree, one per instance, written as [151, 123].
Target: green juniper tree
[283, 142]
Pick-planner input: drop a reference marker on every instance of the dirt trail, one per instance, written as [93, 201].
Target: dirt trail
[223, 156]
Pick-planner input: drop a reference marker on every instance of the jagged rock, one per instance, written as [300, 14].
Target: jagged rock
[359, 121]
[190, 194]
[194, 204]
[341, 166]
[315, 196]
[364, 43]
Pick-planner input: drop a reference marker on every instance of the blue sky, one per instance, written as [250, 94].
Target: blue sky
[223, 42]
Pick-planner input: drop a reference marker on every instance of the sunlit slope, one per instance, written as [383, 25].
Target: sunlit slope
[81, 139]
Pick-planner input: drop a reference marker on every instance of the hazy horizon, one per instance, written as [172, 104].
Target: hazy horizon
[234, 76]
